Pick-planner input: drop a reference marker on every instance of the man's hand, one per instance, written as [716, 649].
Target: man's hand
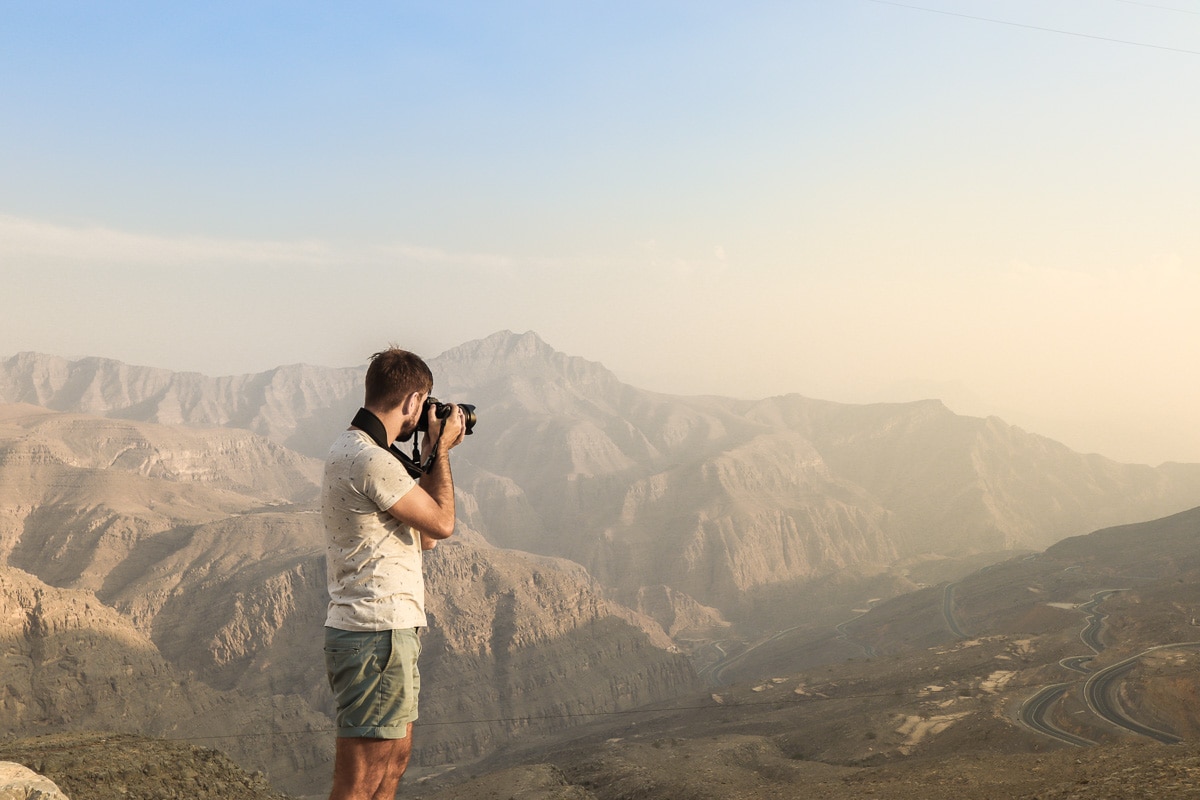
[429, 506]
[449, 432]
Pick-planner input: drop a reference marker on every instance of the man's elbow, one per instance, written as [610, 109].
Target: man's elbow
[441, 529]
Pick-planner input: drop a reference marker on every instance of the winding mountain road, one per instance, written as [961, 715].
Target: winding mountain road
[1091, 632]
[948, 611]
[1100, 690]
[1034, 711]
[844, 636]
[1100, 694]
[714, 673]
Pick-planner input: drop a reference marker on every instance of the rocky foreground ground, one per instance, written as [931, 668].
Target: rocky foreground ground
[98, 766]
[104, 767]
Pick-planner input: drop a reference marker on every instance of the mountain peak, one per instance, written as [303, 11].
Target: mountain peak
[501, 344]
[505, 354]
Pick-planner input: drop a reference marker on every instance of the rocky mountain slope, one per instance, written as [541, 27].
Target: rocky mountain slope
[170, 581]
[71, 663]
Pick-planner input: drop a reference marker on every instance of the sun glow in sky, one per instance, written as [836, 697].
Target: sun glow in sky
[992, 202]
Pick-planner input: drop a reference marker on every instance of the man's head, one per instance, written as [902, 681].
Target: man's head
[393, 376]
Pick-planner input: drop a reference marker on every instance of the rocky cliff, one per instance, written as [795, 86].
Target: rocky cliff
[72, 663]
[520, 643]
[171, 582]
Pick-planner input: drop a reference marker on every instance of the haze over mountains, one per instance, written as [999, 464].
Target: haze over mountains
[163, 564]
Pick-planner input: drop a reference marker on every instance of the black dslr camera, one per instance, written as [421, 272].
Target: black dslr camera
[367, 422]
[442, 411]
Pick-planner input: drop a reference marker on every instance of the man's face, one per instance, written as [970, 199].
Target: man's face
[413, 418]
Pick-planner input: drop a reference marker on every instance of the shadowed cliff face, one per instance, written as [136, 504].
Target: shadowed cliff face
[71, 663]
[530, 643]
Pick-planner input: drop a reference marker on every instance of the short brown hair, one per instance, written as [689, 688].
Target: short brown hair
[393, 375]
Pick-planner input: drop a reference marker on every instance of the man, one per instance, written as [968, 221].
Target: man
[377, 522]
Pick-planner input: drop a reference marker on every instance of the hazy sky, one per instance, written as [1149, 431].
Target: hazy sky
[994, 202]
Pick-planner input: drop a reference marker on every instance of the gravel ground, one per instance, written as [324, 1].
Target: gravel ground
[121, 767]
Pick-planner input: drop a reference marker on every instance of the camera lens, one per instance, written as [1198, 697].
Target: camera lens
[442, 410]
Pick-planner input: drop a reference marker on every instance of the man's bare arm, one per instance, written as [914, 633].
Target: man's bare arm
[429, 506]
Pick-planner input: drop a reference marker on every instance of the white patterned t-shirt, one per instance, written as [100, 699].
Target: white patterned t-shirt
[373, 559]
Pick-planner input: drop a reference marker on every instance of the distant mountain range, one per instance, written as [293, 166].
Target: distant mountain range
[712, 498]
[602, 528]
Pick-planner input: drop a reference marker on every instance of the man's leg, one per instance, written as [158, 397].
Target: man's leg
[396, 765]
[375, 682]
[369, 769]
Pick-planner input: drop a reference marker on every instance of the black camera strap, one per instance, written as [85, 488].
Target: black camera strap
[371, 425]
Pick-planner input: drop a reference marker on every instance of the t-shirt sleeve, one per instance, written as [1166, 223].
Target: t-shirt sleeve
[383, 479]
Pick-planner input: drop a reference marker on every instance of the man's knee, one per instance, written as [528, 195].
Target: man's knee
[360, 760]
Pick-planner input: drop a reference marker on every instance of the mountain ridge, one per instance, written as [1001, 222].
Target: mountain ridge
[568, 461]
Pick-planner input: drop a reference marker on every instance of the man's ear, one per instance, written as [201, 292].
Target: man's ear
[411, 404]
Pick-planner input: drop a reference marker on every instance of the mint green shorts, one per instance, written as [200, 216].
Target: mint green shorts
[375, 682]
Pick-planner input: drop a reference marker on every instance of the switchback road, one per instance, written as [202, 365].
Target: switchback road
[1100, 694]
[1091, 633]
[1100, 690]
[948, 611]
[1034, 711]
